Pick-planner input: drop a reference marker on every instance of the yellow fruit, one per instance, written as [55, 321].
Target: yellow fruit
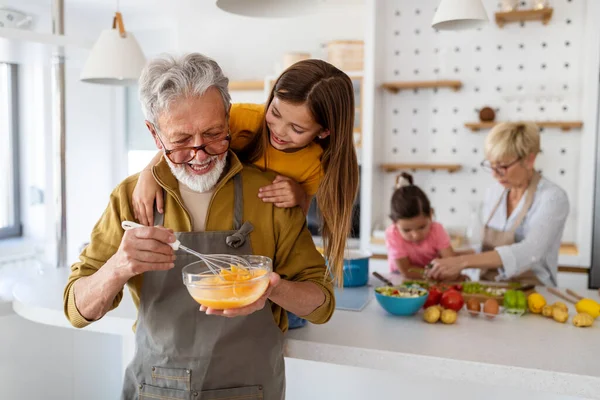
[536, 302]
[449, 316]
[547, 311]
[588, 306]
[560, 315]
[560, 305]
[583, 320]
[432, 314]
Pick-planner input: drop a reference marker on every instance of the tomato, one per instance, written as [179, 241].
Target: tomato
[458, 287]
[452, 300]
[433, 298]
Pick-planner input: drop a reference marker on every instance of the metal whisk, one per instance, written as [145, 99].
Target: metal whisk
[214, 262]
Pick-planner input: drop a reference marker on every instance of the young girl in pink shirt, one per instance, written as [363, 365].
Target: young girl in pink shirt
[414, 239]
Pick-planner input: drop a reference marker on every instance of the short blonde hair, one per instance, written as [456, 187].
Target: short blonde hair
[512, 140]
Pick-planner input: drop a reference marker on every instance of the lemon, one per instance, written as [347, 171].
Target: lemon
[536, 303]
[588, 306]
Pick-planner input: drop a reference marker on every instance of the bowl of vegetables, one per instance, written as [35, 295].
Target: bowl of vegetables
[401, 300]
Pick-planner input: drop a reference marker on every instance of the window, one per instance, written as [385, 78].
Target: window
[140, 145]
[10, 219]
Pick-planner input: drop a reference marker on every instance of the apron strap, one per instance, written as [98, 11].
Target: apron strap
[159, 218]
[531, 189]
[238, 238]
[238, 201]
[242, 229]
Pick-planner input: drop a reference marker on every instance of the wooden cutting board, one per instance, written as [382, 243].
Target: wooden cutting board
[482, 297]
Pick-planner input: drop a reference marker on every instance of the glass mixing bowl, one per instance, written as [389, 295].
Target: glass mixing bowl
[233, 287]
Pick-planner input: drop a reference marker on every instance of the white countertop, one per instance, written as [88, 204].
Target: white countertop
[529, 352]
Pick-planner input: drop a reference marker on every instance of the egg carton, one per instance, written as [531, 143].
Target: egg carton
[502, 313]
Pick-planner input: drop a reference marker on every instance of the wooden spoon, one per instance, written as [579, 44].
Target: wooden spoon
[560, 294]
[572, 293]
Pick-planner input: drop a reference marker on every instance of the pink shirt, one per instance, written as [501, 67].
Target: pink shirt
[419, 254]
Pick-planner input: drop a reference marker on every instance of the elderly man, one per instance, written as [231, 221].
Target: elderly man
[210, 206]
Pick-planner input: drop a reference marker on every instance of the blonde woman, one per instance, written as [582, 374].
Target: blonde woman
[525, 214]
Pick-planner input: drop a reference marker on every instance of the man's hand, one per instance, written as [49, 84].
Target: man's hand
[284, 192]
[144, 249]
[258, 305]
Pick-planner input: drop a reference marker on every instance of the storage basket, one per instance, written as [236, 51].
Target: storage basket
[346, 55]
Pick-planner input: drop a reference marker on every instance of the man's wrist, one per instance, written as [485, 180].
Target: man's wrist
[278, 290]
[115, 276]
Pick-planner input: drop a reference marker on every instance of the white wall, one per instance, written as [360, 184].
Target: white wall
[249, 48]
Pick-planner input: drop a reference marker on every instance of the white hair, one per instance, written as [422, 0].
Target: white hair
[166, 79]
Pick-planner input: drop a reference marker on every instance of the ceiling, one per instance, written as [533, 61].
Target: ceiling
[91, 15]
[146, 6]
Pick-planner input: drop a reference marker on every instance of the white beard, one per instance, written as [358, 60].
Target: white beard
[199, 183]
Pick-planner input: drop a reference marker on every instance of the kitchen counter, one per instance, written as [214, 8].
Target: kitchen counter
[528, 353]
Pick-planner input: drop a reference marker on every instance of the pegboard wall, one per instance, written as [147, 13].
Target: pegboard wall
[525, 71]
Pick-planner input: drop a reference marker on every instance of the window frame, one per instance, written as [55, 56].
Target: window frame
[16, 230]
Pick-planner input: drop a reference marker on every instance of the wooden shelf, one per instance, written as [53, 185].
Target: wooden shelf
[246, 85]
[544, 15]
[563, 125]
[433, 167]
[569, 249]
[395, 87]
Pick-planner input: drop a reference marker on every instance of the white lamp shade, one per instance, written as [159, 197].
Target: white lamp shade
[114, 60]
[456, 15]
[269, 8]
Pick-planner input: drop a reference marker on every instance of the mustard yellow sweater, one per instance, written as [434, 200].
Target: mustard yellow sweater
[279, 233]
[303, 165]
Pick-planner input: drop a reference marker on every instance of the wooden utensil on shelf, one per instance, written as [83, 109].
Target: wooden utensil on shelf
[560, 294]
[572, 293]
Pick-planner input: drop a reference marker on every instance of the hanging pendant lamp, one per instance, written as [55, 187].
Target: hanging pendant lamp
[457, 15]
[116, 58]
[269, 8]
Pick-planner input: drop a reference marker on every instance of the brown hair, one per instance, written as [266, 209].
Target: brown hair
[329, 94]
[408, 201]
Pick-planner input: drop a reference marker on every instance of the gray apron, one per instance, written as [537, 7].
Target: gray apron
[493, 238]
[182, 353]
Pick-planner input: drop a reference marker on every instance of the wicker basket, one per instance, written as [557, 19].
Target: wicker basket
[290, 59]
[347, 55]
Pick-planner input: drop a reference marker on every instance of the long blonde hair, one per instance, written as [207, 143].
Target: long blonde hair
[329, 95]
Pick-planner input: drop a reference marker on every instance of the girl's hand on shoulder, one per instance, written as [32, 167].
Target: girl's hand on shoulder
[145, 193]
[284, 192]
